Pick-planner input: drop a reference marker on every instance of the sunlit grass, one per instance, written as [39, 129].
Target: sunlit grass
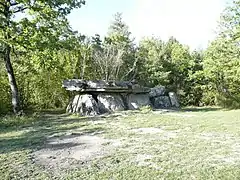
[193, 144]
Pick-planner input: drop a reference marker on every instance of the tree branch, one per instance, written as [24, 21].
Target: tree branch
[1, 3]
[131, 70]
[14, 3]
[20, 9]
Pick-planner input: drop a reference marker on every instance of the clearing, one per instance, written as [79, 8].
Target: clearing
[198, 143]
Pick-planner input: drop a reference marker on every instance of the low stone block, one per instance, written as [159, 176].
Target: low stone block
[161, 102]
[173, 99]
[136, 101]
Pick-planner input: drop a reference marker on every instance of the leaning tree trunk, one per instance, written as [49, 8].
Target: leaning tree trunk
[12, 80]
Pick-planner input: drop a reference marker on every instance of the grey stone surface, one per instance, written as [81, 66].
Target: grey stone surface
[136, 101]
[110, 96]
[97, 84]
[103, 86]
[173, 99]
[110, 103]
[83, 105]
[161, 102]
[157, 91]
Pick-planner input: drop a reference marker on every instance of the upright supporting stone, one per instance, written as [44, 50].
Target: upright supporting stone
[83, 105]
[110, 103]
[173, 99]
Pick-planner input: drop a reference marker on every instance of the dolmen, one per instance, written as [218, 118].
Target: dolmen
[92, 98]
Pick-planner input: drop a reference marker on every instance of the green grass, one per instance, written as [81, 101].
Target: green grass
[194, 143]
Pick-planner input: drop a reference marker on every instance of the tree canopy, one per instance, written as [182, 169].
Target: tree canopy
[41, 49]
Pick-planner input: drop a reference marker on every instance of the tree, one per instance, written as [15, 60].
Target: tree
[222, 70]
[42, 21]
[167, 63]
[151, 62]
[109, 61]
[120, 37]
[222, 59]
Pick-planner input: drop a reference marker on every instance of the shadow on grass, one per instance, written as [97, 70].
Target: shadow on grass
[37, 131]
[201, 109]
[53, 111]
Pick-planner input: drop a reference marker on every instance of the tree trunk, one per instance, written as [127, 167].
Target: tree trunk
[12, 81]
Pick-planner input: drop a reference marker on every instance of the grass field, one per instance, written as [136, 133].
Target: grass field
[189, 144]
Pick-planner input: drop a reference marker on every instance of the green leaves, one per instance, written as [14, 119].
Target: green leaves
[222, 59]
[41, 32]
[44, 23]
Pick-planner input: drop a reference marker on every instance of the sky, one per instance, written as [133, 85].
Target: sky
[192, 22]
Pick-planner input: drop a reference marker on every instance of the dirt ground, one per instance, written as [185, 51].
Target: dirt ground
[73, 150]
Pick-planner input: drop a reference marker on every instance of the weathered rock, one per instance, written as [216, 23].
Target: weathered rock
[136, 101]
[103, 86]
[96, 83]
[83, 105]
[161, 102]
[109, 96]
[173, 99]
[110, 103]
[157, 91]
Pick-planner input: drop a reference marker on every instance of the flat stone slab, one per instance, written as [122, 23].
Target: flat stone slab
[103, 86]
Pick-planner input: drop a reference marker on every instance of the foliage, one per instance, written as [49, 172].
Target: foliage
[4, 91]
[120, 37]
[45, 51]
[43, 28]
[151, 61]
[109, 60]
[222, 60]
[170, 64]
